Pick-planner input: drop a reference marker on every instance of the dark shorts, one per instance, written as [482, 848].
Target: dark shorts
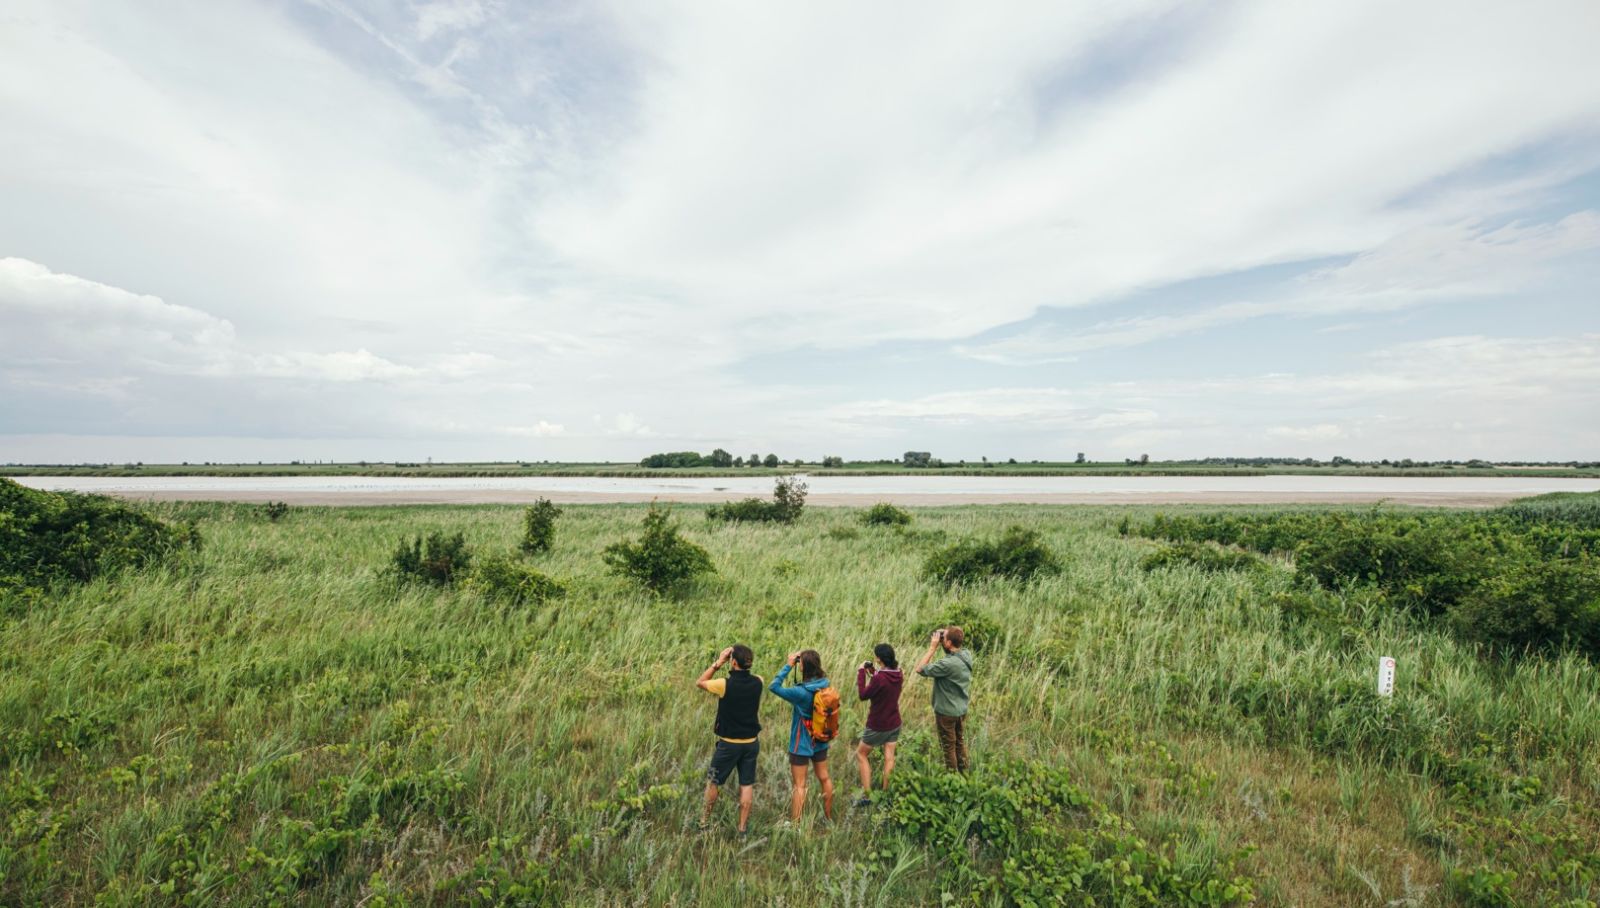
[879, 738]
[727, 756]
[820, 756]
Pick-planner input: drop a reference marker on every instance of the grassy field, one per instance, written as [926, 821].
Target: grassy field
[274, 721]
[864, 468]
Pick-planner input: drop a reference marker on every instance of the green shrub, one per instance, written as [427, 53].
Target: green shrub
[275, 511]
[884, 514]
[1535, 605]
[1208, 558]
[1022, 833]
[48, 538]
[1519, 578]
[539, 526]
[1017, 554]
[788, 500]
[1425, 566]
[661, 558]
[504, 875]
[438, 560]
[509, 581]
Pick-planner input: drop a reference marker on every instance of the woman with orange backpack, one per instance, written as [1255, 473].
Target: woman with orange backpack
[813, 725]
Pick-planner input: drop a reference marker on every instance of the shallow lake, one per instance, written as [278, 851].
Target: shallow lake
[825, 489]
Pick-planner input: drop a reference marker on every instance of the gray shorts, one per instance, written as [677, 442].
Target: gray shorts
[879, 738]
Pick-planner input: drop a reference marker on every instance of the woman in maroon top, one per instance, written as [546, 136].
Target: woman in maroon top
[881, 687]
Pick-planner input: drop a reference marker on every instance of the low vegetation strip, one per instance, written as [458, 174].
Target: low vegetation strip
[1517, 579]
[279, 717]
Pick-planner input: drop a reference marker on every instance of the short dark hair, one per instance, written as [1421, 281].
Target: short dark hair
[885, 654]
[742, 656]
[811, 665]
[954, 635]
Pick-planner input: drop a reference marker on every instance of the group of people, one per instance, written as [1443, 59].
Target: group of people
[814, 717]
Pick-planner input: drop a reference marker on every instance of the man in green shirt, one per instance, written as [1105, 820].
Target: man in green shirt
[952, 688]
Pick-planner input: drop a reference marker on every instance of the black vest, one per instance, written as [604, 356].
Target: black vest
[739, 708]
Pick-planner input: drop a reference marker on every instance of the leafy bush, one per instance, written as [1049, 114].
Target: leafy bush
[1429, 567]
[661, 558]
[275, 511]
[539, 526]
[509, 581]
[48, 538]
[1022, 833]
[884, 514]
[1535, 605]
[788, 500]
[1208, 558]
[1017, 555]
[1519, 578]
[438, 560]
[978, 629]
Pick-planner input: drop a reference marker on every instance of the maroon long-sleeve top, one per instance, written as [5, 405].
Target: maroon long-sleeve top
[882, 688]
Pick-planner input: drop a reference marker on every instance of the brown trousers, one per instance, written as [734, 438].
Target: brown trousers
[954, 741]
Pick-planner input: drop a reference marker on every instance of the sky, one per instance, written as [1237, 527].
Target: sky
[497, 230]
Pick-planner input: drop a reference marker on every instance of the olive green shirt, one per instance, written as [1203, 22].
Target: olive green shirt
[952, 682]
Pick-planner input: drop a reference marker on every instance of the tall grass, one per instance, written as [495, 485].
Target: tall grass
[275, 720]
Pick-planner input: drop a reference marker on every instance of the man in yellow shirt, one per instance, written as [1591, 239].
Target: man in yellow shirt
[737, 729]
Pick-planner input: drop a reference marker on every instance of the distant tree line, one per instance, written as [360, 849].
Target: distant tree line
[717, 458]
[924, 460]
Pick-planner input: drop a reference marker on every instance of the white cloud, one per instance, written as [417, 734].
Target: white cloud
[1445, 397]
[541, 429]
[953, 195]
[1326, 431]
[1428, 264]
[63, 322]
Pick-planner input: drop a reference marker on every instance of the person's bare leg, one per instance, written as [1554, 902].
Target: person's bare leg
[827, 788]
[888, 763]
[711, 799]
[798, 799]
[862, 751]
[747, 797]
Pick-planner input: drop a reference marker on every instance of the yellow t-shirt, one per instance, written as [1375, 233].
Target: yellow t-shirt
[717, 687]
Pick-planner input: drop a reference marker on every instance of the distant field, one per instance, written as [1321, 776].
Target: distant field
[849, 469]
[276, 722]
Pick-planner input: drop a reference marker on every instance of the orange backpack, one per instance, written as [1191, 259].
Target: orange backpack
[824, 721]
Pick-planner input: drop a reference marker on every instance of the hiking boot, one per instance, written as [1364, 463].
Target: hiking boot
[864, 802]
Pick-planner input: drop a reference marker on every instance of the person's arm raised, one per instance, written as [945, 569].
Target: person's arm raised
[705, 676]
[933, 647]
[865, 687]
[792, 694]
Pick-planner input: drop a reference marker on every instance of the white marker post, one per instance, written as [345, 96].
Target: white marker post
[1386, 676]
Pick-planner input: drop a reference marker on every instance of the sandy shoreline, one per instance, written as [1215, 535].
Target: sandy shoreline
[1463, 499]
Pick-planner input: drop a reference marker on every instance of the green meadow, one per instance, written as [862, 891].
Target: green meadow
[274, 719]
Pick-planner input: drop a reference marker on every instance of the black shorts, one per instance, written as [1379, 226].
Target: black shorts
[820, 756]
[727, 756]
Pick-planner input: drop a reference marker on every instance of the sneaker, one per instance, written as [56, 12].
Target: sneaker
[705, 826]
[864, 802]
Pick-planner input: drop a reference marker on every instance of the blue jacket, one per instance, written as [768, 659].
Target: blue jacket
[800, 742]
